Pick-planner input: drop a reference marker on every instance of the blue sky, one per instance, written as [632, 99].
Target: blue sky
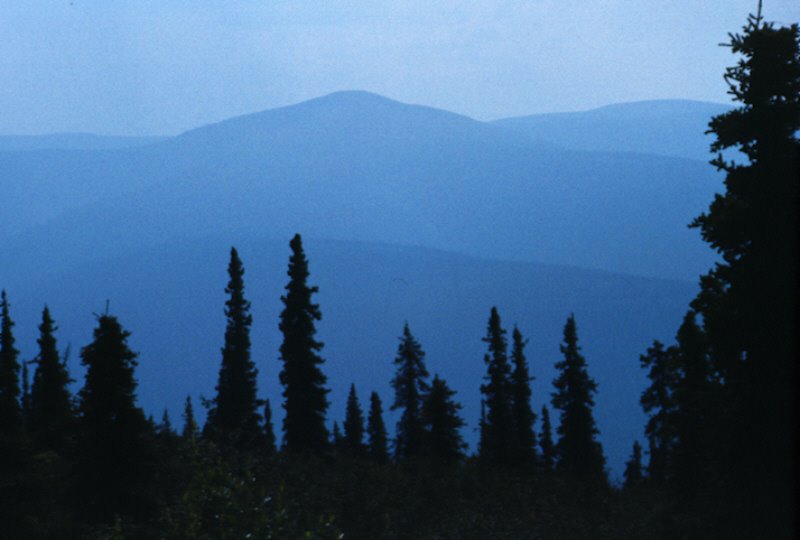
[140, 67]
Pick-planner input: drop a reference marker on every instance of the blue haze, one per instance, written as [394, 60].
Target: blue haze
[410, 213]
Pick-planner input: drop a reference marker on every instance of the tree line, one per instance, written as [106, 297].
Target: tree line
[719, 435]
[109, 448]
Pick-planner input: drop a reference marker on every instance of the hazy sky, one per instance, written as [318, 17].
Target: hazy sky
[163, 66]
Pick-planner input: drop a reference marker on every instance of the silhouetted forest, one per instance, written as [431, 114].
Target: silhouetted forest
[718, 460]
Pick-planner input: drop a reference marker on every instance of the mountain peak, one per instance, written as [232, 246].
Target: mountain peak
[347, 101]
[341, 110]
[353, 96]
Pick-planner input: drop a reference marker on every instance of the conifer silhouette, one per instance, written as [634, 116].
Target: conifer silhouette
[579, 453]
[633, 468]
[51, 415]
[692, 394]
[12, 436]
[748, 301]
[305, 395]
[190, 429]
[410, 388]
[377, 440]
[497, 433]
[658, 400]
[546, 441]
[443, 423]
[115, 454]
[337, 439]
[233, 419]
[166, 423]
[10, 410]
[482, 430]
[525, 437]
[270, 446]
[354, 426]
[25, 399]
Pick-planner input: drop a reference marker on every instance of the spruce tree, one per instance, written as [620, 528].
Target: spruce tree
[410, 387]
[579, 453]
[658, 400]
[354, 426]
[115, 456]
[693, 393]
[337, 439]
[633, 468]
[233, 419]
[377, 440]
[522, 413]
[25, 400]
[748, 301]
[305, 395]
[13, 471]
[51, 414]
[190, 429]
[546, 441]
[482, 430]
[10, 410]
[497, 433]
[166, 423]
[442, 423]
[270, 447]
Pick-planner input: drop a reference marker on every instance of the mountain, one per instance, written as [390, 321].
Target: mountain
[356, 166]
[409, 212]
[660, 127]
[171, 298]
[71, 141]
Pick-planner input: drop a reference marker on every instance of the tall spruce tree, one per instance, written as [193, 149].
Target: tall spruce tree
[12, 456]
[10, 410]
[693, 396]
[482, 430]
[354, 426]
[523, 416]
[748, 302]
[51, 414]
[115, 456]
[579, 453]
[546, 441]
[337, 439]
[25, 400]
[190, 429]
[410, 388]
[658, 401]
[165, 427]
[442, 423]
[633, 468]
[270, 446]
[497, 430]
[305, 395]
[233, 419]
[377, 440]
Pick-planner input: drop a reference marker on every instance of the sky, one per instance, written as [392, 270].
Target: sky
[160, 67]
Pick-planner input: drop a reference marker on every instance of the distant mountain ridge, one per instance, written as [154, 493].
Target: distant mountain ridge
[72, 141]
[354, 165]
[661, 127]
